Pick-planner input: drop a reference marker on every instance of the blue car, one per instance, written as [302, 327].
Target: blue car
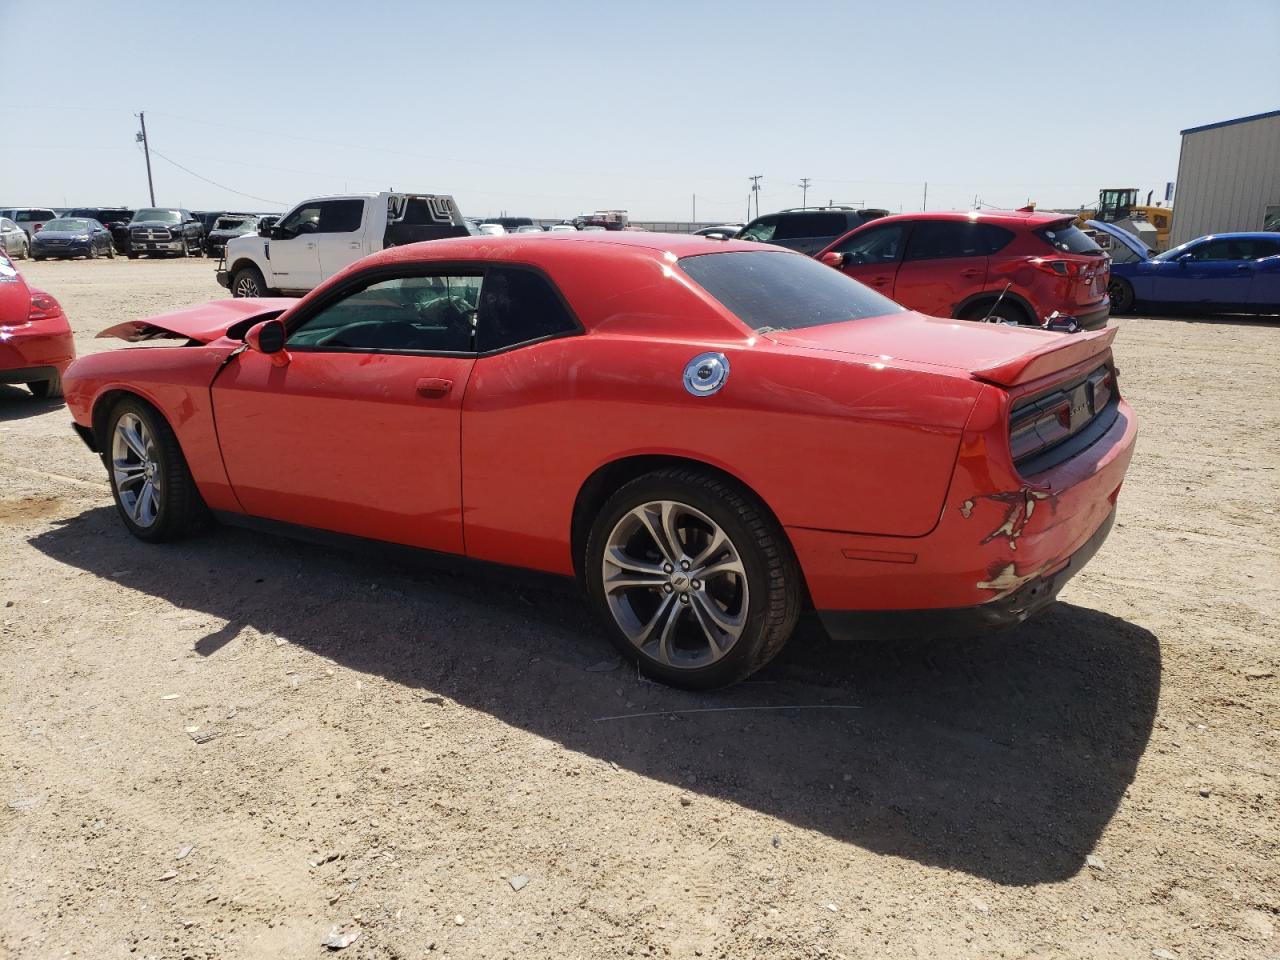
[72, 237]
[1220, 273]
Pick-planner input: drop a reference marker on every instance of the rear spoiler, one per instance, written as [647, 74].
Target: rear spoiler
[1054, 356]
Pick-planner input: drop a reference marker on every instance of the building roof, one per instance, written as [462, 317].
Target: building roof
[1227, 123]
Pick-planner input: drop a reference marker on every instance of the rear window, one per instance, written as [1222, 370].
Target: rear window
[1068, 238]
[33, 216]
[770, 290]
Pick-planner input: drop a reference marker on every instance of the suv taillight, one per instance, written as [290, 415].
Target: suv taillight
[43, 306]
[1063, 268]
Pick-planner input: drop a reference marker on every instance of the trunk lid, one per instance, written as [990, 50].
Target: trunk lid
[204, 323]
[991, 352]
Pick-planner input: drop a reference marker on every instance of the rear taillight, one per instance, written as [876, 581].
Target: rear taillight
[1063, 268]
[1040, 426]
[43, 306]
[1103, 384]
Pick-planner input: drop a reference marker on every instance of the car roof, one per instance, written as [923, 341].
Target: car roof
[1242, 235]
[565, 247]
[1030, 218]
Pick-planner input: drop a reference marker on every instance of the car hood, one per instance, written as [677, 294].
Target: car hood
[168, 224]
[992, 352]
[60, 234]
[1124, 236]
[204, 323]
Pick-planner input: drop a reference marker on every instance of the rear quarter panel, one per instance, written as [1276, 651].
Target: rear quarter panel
[827, 443]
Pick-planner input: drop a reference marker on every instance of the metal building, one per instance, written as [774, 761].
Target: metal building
[1228, 178]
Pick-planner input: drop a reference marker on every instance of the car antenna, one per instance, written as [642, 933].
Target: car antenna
[987, 318]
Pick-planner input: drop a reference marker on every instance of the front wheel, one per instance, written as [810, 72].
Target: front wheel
[248, 282]
[152, 487]
[692, 578]
[24, 252]
[111, 252]
[1121, 293]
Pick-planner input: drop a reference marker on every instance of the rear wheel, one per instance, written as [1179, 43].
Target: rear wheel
[248, 282]
[1005, 311]
[25, 251]
[1121, 292]
[692, 578]
[152, 487]
[46, 389]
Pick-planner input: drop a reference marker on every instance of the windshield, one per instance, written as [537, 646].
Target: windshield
[153, 213]
[1173, 254]
[239, 224]
[770, 290]
[67, 224]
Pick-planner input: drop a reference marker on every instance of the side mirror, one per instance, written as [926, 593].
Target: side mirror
[268, 338]
[833, 259]
[1184, 259]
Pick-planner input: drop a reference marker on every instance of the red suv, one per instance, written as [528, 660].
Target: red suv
[957, 264]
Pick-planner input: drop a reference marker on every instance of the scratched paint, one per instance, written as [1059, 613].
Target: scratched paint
[1019, 505]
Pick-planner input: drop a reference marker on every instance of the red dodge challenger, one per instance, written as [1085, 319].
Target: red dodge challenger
[711, 435]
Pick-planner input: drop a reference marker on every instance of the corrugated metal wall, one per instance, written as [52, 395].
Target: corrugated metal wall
[1227, 176]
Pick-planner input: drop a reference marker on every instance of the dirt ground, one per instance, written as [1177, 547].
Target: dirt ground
[227, 747]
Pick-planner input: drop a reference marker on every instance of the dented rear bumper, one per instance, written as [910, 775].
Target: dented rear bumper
[1003, 546]
[1024, 602]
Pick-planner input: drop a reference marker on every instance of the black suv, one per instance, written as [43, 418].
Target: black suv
[114, 219]
[807, 229]
[165, 230]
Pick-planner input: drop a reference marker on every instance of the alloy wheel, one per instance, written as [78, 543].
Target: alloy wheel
[135, 470]
[247, 286]
[675, 584]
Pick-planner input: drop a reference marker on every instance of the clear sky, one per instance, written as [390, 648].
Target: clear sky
[553, 109]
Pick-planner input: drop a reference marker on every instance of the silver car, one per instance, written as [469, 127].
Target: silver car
[13, 240]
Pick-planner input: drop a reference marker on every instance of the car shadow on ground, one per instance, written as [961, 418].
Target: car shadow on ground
[1217, 319]
[17, 403]
[1004, 757]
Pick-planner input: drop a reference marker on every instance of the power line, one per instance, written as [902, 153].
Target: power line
[220, 186]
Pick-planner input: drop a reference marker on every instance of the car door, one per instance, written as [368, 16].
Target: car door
[355, 427]
[1214, 272]
[945, 263]
[11, 237]
[872, 255]
[339, 240]
[1264, 289]
[293, 251]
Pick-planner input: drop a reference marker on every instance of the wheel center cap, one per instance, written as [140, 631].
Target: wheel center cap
[680, 582]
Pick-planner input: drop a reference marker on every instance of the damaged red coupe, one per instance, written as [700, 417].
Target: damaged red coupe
[710, 435]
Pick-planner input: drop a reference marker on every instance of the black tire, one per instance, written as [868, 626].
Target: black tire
[46, 389]
[248, 282]
[181, 510]
[93, 252]
[133, 256]
[1005, 312]
[38, 258]
[772, 574]
[111, 252]
[1121, 292]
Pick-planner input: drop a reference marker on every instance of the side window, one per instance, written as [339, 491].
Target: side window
[1257, 249]
[762, 230]
[881, 245]
[992, 239]
[7, 224]
[796, 225]
[1216, 250]
[306, 219]
[517, 306]
[341, 216]
[407, 314]
[939, 239]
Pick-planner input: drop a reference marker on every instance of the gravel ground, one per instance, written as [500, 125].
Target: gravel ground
[227, 747]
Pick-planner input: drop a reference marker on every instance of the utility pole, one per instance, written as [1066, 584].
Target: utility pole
[146, 152]
[804, 190]
[694, 218]
[924, 204]
[755, 188]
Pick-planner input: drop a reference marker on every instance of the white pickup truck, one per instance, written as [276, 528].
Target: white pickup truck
[319, 237]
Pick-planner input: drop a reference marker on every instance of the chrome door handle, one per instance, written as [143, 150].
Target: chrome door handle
[311, 246]
[354, 246]
[434, 387]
